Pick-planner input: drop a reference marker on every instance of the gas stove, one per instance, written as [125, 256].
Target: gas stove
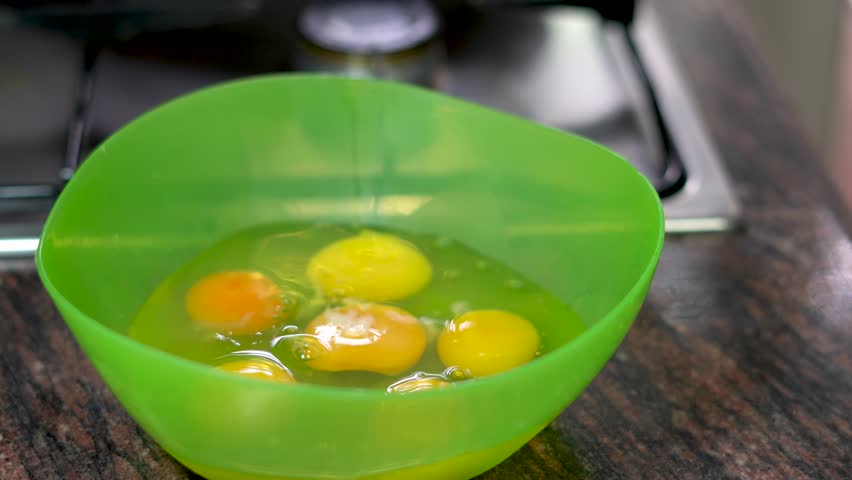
[75, 74]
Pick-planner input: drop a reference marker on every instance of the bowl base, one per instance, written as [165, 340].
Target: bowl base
[462, 467]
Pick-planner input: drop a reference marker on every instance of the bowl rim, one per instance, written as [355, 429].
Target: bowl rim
[356, 393]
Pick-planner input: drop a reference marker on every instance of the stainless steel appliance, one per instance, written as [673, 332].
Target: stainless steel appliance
[75, 72]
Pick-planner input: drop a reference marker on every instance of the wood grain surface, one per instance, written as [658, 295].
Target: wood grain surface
[739, 365]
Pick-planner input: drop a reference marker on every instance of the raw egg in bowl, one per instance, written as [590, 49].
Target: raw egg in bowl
[270, 304]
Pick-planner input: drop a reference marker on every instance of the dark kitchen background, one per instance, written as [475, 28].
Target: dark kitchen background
[73, 72]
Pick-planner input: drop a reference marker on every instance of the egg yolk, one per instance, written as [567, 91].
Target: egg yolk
[368, 337]
[485, 342]
[258, 368]
[238, 302]
[371, 266]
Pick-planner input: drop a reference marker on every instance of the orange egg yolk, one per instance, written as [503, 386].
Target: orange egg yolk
[367, 337]
[258, 368]
[236, 302]
[485, 342]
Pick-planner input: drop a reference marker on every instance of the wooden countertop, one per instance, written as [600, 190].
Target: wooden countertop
[739, 365]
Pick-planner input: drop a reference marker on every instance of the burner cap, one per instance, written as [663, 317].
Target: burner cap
[368, 26]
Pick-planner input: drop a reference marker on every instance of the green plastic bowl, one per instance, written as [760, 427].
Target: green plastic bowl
[563, 211]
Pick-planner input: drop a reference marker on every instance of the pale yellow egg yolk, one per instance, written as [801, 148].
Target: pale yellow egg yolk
[237, 302]
[485, 342]
[368, 337]
[258, 368]
[370, 266]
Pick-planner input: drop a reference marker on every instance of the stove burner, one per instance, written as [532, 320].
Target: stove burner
[368, 27]
[614, 81]
[388, 39]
